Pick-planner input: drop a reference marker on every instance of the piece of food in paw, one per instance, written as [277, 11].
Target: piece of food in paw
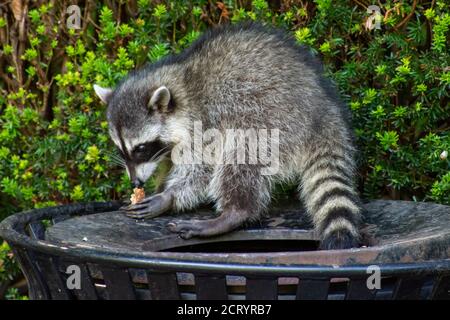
[137, 196]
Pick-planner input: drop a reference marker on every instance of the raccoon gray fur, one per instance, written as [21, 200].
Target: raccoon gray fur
[239, 76]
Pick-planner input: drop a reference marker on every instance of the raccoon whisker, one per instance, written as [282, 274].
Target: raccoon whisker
[121, 164]
[162, 155]
[114, 152]
[157, 154]
[117, 161]
[114, 156]
[118, 158]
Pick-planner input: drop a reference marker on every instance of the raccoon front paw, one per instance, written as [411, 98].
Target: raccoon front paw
[150, 207]
[226, 222]
[188, 229]
[339, 239]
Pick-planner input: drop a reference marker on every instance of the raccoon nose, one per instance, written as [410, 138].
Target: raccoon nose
[137, 183]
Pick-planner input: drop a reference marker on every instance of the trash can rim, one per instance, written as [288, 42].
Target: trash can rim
[10, 231]
[153, 261]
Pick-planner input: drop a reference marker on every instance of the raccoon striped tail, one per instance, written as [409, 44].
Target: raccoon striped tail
[331, 199]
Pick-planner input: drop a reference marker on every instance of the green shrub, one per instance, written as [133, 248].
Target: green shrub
[54, 146]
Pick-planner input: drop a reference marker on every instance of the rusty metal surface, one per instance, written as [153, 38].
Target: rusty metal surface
[401, 231]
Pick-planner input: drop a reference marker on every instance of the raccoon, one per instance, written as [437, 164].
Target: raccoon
[245, 75]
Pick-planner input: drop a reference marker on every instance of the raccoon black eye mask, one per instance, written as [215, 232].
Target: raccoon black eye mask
[149, 151]
[243, 76]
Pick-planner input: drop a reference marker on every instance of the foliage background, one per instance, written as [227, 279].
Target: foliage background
[54, 147]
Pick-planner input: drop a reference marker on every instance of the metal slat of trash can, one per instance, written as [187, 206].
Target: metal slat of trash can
[118, 283]
[37, 287]
[210, 287]
[441, 290]
[358, 290]
[37, 230]
[408, 288]
[313, 289]
[261, 288]
[52, 276]
[163, 285]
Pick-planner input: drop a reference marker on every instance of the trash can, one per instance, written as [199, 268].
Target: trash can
[93, 251]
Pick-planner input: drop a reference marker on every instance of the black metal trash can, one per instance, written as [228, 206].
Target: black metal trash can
[119, 258]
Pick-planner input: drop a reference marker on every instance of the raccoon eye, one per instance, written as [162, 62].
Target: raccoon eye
[146, 151]
[140, 148]
[140, 153]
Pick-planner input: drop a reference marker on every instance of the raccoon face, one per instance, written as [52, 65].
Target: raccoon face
[136, 122]
[142, 160]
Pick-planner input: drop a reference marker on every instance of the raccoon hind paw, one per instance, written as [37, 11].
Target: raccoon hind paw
[339, 239]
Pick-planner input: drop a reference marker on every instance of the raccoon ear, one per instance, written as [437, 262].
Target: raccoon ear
[161, 100]
[103, 93]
